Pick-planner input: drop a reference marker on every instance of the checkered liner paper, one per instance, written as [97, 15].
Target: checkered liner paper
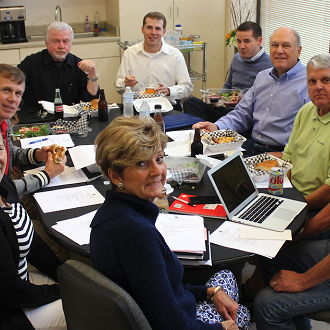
[207, 136]
[250, 162]
[184, 175]
[139, 95]
[76, 126]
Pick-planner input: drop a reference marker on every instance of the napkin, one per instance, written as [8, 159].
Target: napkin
[69, 111]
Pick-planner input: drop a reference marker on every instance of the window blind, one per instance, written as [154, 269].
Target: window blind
[311, 18]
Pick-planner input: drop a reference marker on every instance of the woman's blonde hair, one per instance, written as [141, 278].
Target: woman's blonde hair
[126, 141]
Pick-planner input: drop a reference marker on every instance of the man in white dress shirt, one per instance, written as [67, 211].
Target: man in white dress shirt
[154, 63]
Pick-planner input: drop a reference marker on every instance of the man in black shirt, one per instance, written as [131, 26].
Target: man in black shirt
[55, 67]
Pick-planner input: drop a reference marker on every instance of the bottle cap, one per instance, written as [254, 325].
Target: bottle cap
[158, 106]
[178, 25]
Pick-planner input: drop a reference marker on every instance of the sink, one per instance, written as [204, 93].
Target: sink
[76, 35]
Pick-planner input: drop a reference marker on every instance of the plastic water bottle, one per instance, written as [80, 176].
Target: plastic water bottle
[144, 109]
[128, 102]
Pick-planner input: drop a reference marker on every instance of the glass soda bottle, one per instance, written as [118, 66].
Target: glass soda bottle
[197, 145]
[102, 107]
[144, 109]
[128, 102]
[159, 118]
[58, 105]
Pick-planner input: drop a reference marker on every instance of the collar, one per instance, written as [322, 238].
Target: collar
[324, 119]
[289, 74]
[256, 56]
[164, 49]
[47, 59]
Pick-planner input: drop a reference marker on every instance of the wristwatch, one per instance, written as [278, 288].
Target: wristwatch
[93, 79]
[217, 288]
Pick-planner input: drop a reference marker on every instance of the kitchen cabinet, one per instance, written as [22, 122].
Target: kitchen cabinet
[106, 56]
[205, 18]
[10, 56]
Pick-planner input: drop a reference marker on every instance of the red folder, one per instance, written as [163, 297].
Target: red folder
[208, 210]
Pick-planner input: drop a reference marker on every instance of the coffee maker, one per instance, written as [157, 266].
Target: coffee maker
[12, 24]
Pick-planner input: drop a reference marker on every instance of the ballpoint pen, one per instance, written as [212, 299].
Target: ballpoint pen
[182, 201]
[36, 141]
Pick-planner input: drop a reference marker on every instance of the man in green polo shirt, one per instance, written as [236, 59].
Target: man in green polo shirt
[308, 148]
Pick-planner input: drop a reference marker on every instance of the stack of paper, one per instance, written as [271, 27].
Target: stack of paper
[250, 239]
[186, 237]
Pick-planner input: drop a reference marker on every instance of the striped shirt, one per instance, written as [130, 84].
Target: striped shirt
[24, 232]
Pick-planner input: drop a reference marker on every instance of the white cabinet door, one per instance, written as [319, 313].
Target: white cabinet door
[10, 56]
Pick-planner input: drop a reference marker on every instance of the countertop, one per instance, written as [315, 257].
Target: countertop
[111, 35]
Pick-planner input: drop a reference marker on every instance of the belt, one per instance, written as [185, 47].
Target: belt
[277, 148]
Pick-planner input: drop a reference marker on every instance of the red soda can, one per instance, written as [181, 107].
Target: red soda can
[276, 177]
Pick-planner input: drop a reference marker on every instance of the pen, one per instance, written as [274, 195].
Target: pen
[36, 141]
[95, 178]
[182, 201]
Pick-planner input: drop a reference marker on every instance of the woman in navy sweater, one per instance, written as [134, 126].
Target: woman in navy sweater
[127, 247]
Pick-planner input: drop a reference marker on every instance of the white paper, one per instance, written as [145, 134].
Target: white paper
[63, 140]
[82, 156]
[177, 149]
[77, 229]
[69, 176]
[182, 232]
[227, 235]
[68, 198]
[181, 135]
[261, 233]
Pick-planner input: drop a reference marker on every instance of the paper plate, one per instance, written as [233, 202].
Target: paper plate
[164, 102]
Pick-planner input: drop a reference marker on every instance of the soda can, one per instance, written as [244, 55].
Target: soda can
[276, 177]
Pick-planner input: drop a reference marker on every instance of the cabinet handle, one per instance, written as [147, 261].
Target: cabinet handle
[177, 11]
[170, 11]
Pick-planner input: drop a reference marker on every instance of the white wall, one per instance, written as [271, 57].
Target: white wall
[43, 11]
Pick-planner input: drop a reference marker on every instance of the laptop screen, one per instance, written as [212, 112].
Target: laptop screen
[233, 182]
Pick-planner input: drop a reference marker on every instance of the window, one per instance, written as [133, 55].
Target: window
[311, 18]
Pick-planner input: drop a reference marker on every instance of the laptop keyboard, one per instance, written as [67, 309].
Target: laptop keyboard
[261, 209]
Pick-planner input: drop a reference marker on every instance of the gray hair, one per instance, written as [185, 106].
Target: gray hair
[295, 32]
[59, 26]
[319, 62]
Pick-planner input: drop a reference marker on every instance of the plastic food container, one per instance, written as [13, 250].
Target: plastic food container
[223, 97]
[184, 170]
[260, 176]
[211, 141]
[30, 130]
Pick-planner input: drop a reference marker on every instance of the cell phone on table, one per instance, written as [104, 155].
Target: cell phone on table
[205, 200]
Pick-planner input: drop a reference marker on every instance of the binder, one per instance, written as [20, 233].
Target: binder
[181, 120]
[208, 210]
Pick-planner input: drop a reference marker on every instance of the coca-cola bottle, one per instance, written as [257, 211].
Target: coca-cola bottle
[58, 105]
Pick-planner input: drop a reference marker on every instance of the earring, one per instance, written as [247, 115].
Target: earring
[121, 185]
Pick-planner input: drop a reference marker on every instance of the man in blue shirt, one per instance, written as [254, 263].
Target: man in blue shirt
[245, 65]
[271, 104]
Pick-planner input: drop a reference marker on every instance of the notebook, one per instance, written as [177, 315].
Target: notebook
[208, 210]
[179, 121]
[238, 193]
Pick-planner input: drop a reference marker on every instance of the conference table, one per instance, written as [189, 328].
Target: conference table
[221, 256]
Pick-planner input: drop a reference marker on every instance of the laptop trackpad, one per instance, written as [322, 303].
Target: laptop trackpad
[284, 214]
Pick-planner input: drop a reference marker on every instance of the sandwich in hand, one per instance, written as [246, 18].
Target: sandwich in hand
[57, 152]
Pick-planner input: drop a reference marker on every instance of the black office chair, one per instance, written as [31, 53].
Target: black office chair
[92, 301]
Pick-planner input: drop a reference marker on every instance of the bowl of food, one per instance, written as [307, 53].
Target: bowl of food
[230, 97]
[222, 140]
[260, 166]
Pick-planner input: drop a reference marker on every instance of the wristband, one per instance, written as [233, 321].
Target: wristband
[217, 288]
[93, 79]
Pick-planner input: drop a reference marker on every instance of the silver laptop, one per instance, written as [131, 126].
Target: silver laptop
[242, 201]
